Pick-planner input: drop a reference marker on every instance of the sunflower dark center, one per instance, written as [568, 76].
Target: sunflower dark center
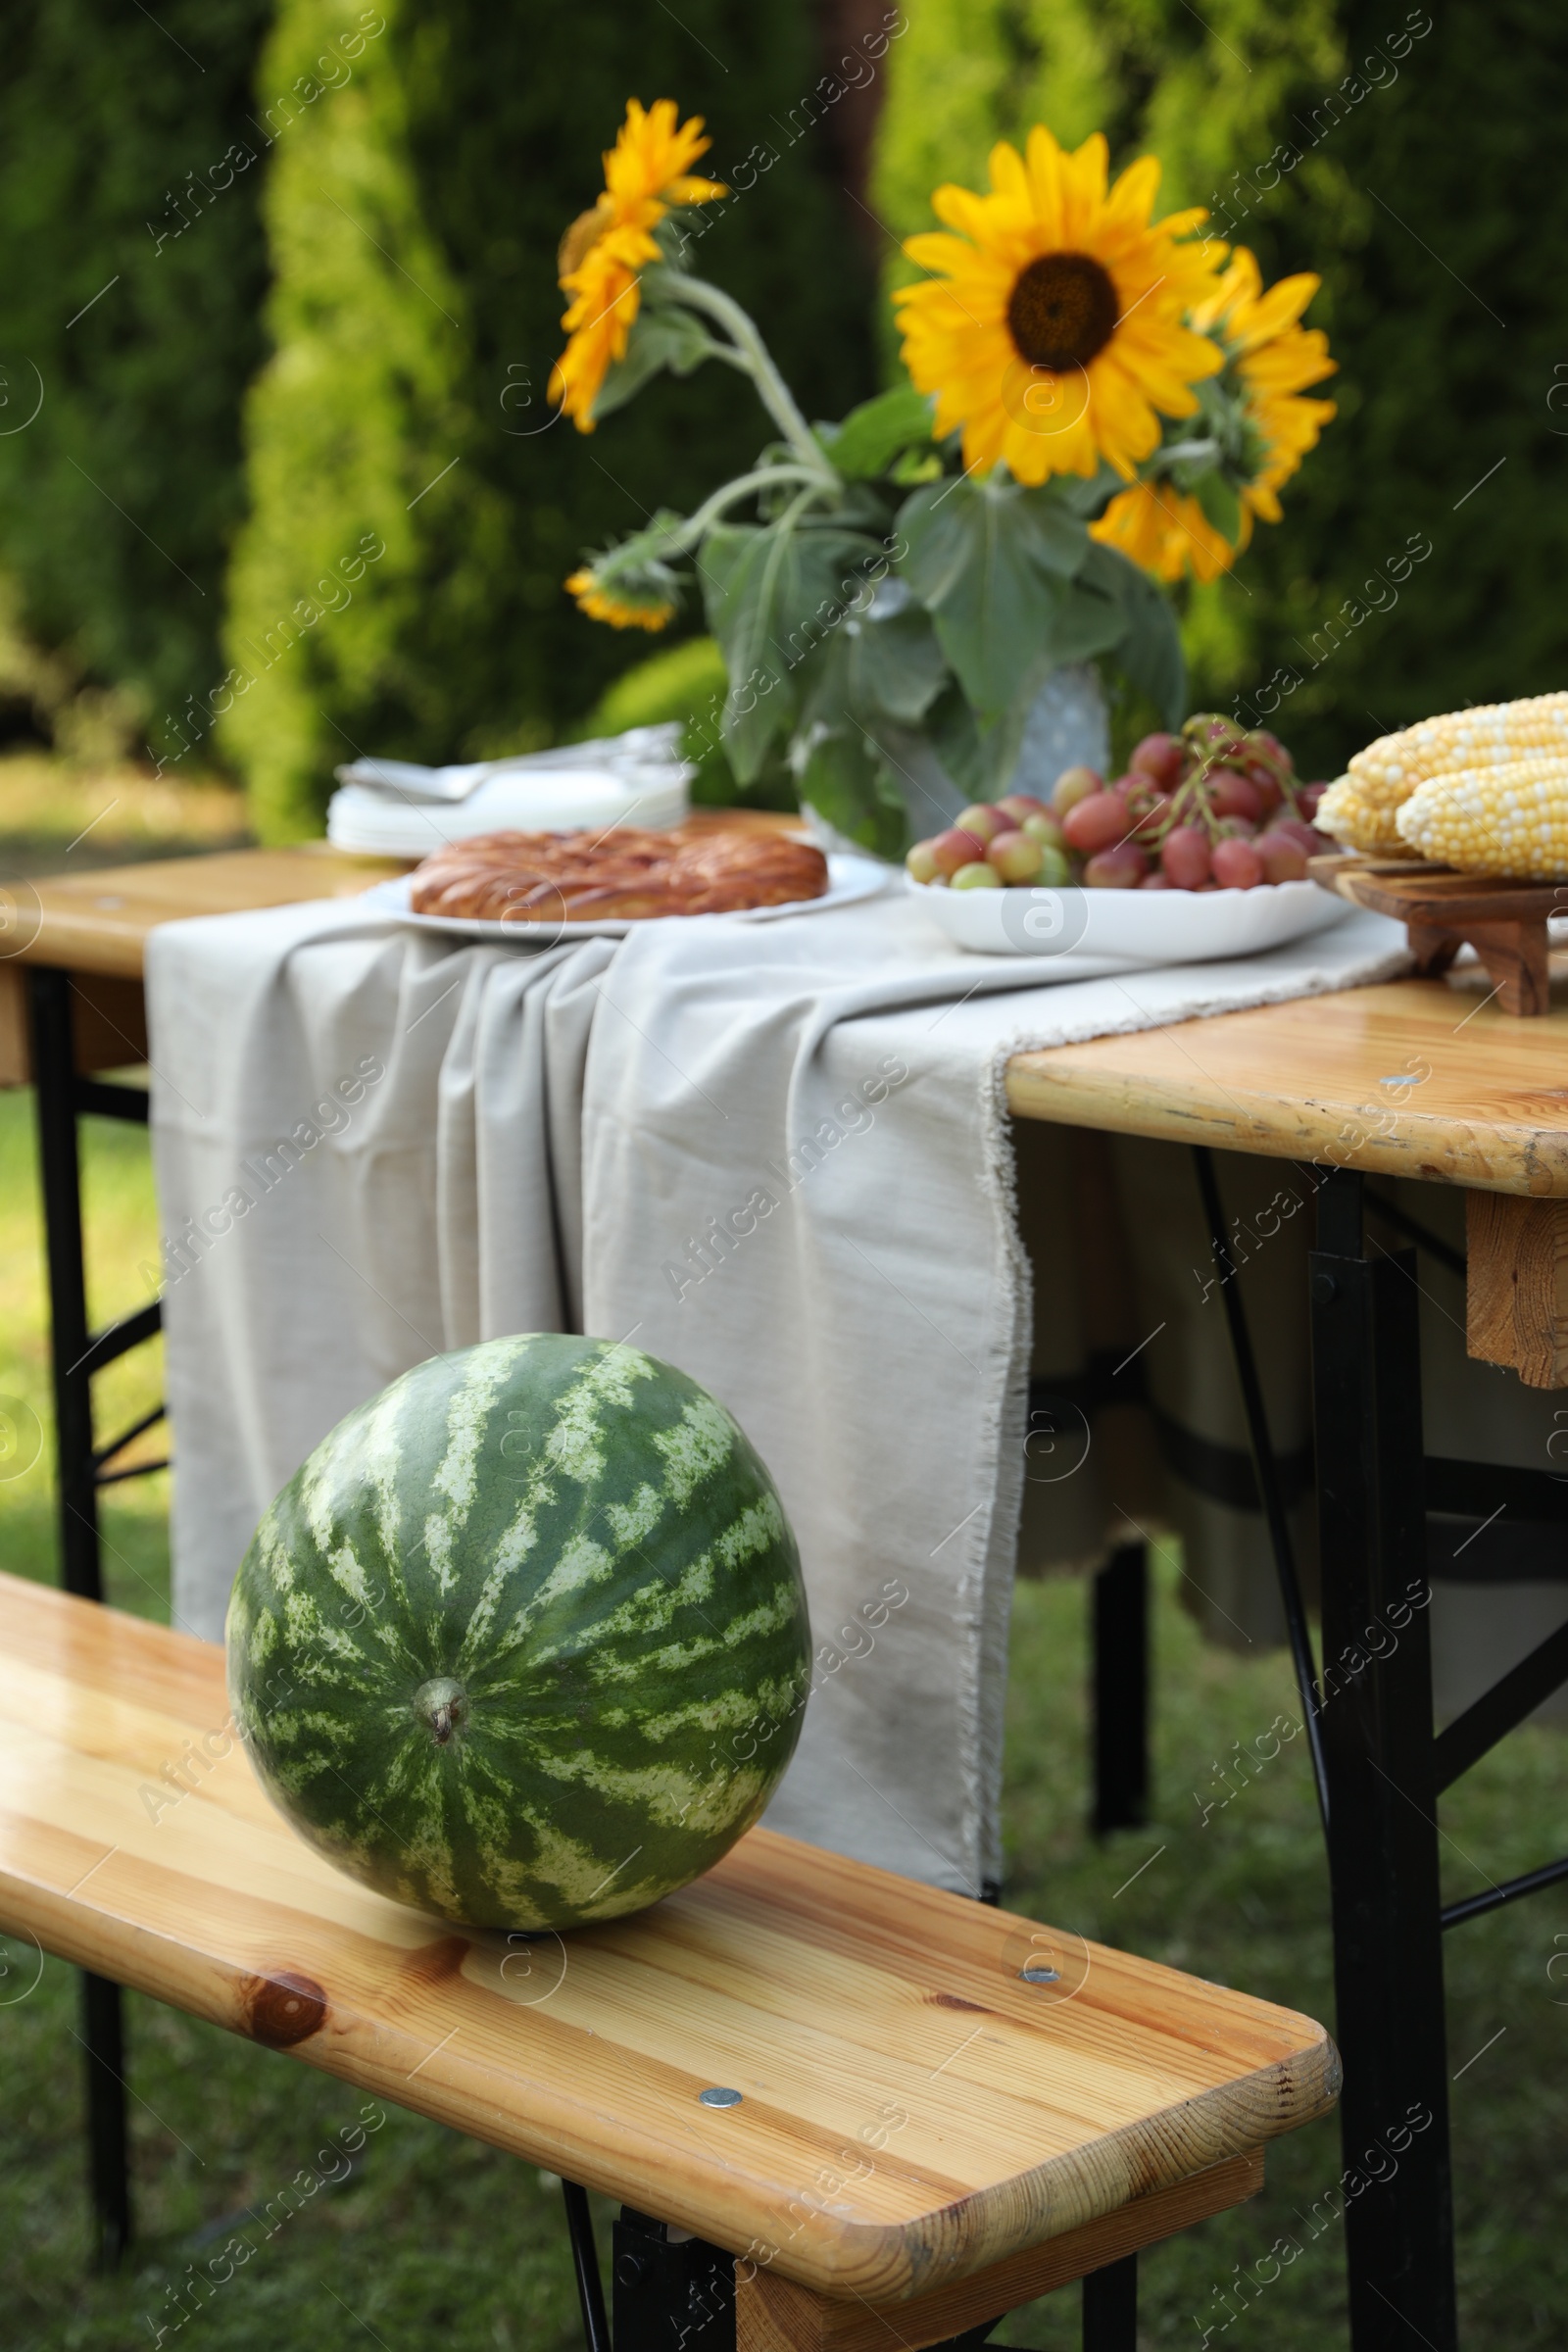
[1062, 311]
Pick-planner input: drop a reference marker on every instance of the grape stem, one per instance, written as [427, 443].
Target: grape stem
[1215, 744]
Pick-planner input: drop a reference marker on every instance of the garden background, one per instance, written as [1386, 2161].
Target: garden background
[298, 295]
[278, 277]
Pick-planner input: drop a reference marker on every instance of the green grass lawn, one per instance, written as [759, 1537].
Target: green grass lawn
[427, 2237]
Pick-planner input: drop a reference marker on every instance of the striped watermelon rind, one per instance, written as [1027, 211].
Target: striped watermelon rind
[504, 1646]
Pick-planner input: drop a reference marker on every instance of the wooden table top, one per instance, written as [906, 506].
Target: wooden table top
[1411, 1078]
[1306, 1079]
[99, 921]
[912, 2109]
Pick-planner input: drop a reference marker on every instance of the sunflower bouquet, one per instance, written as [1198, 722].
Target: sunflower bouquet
[1099, 402]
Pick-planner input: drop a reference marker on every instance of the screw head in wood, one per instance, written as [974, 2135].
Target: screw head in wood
[718, 2097]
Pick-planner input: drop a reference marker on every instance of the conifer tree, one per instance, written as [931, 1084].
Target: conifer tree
[414, 510]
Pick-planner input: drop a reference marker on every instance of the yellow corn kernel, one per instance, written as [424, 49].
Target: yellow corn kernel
[1345, 812]
[1506, 818]
[1389, 770]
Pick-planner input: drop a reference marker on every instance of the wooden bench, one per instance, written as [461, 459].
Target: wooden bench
[944, 2110]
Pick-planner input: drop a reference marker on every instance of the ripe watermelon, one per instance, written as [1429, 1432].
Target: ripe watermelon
[524, 1642]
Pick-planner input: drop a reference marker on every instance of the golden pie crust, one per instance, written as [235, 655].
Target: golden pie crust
[627, 874]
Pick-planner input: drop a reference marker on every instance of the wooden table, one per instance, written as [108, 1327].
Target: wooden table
[95, 925]
[1479, 1098]
[1419, 1079]
[922, 2134]
[1414, 1078]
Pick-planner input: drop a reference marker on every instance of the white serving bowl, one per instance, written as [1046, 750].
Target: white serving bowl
[1146, 926]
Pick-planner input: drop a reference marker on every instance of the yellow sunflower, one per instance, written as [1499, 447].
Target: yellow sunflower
[606, 299]
[1055, 330]
[604, 249]
[1165, 529]
[651, 159]
[608, 604]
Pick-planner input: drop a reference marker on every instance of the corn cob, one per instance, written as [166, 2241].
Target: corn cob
[1389, 770]
[1345, 812]
[1511, 818]
[1360, 809]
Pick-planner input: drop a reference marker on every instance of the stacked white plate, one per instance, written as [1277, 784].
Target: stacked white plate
[393, 809]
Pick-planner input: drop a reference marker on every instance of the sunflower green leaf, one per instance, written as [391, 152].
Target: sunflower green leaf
[774, 592]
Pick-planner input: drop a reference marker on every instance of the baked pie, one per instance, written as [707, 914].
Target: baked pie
[627, 872]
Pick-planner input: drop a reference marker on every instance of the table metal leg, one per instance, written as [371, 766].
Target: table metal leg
[1266, 1469]
[1120, 1618]
[71, 1359]
[70, 1334]
[1378, 1755]
[1110, 2307]
[106, 2120]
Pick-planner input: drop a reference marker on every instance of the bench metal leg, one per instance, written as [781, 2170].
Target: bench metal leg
[1110, 2307]
[1120, 1644]
[670, 2291]
[1378, 1755]
[585, 2264]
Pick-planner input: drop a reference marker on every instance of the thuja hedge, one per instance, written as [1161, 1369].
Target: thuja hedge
[1410, 156]
[413, 216]
[131, 274]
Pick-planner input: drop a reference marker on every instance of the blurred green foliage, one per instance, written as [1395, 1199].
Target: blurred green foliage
[689, 682]
[416, 164]
[1408, 156]
[413, 214]
[131, 283]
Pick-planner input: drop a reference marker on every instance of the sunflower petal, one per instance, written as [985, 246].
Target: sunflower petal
[1008, 174]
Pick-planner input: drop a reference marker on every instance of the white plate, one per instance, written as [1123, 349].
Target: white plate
[847, 879]
[513, 800]
[1146, 926]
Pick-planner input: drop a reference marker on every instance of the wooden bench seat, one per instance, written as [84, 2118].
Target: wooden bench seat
[919, 2124]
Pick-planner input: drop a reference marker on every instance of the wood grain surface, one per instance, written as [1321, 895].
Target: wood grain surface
[1503, 919]
[774, 2315]
[1413, 1078]
[108, 1024]
[98, 922]
[1516, 1285]
[1405, 887]
[912, 2110]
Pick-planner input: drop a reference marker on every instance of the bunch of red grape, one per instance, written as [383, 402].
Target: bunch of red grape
[1217, 807]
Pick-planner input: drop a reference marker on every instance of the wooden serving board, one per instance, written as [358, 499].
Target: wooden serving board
[912, 2110]
[1505, 921]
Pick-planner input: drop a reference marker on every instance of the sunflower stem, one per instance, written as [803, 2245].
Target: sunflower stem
[1187, 452]
[773, 392]
[745, 486]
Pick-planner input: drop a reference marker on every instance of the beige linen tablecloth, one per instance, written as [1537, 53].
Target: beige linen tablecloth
[776, 1154]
